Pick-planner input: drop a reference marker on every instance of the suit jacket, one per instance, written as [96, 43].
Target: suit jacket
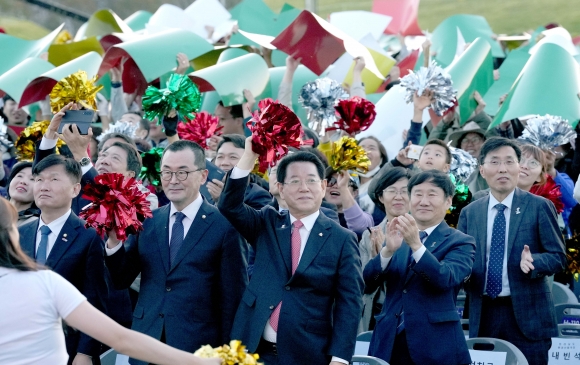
[426, 291]
[195, 300]
[322, 301]
[533, 222]
[77, 255]
[79, 202]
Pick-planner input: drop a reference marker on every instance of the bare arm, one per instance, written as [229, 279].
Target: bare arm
[89, 320]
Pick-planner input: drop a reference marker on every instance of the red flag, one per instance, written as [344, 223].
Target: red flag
[404, 13]
[408, 63]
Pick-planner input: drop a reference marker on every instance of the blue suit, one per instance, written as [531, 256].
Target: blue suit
[77, 255]
[427, 292]
[194, 301]
[322, 301]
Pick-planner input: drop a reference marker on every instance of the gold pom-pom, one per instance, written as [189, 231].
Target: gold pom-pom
[63, 37]
[232, 354]
[26, 143]
[348, 155]
[76, 88]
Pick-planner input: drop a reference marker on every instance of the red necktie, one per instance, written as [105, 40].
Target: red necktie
[296, 244]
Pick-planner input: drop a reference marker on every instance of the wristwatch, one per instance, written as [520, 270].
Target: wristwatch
[85, 161]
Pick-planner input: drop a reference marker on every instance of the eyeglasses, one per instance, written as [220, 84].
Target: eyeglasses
[531, 163]
[332, 182]
[296, 183]
[498, 163]
[395, 192]
[181, 175]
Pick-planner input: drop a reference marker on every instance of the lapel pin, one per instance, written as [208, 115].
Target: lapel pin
[433, 244]
[203, 216]
[320, 234]
[64, 239]
[518, 210]
[283, 226]
[64, 235]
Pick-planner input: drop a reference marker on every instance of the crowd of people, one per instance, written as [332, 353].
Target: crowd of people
[294, 262]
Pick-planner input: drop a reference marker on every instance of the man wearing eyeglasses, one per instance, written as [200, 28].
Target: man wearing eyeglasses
[192, 261]
[518, 246]
[304, 301]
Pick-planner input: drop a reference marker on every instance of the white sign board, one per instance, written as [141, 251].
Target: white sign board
[564, 351]
[487, 357]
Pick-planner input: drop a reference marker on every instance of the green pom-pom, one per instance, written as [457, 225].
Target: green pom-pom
[151, 169]
[180, 94]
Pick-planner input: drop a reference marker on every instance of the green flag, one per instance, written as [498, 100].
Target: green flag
[153, 55]
[445, 37]
[470, 72]
[41, 86]
[508, 73]
[17, 50]
[59, 54]
[101, 23]
[14, 81]
[231, 77]
[548, 84]
[138, 19]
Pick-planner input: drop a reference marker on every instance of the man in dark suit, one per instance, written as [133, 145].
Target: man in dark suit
[519, 245]
[60, 241]
[192, 261]
[117, 153]
[229, 151]
[424, 263]
[304, 301]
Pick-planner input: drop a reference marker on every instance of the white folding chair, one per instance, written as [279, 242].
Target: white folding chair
[109, 357]
[367, 360]
[563, 295]
[363, 340]
[569, 330]
[514, 355]
[567, 311]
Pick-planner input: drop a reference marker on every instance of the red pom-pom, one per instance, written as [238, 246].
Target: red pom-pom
[200, 129]
[117, 204]
[551, 191]
[274, 128]
[356, 115]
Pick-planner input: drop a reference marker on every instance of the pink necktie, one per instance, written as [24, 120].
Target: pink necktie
[296, 244]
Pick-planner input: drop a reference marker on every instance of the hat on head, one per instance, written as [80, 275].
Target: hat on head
[471, 127]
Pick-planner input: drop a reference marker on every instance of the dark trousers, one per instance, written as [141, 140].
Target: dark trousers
[498, 321]
[268, 352]
[400, 354]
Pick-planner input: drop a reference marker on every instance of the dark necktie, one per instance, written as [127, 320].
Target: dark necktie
[177, 235]
[401, 323]
[496, 253]
[42, 251]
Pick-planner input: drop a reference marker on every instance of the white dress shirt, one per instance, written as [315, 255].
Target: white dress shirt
[416, 255]
[308, 222]
[55, 228]
[190, 212]
[491, 213]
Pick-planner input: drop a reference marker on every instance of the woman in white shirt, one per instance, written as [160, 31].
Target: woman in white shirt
[34, 301]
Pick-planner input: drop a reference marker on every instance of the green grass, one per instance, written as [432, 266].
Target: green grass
[504, 16]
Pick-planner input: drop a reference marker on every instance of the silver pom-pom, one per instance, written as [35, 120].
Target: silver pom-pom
[547, 132]
[462, 164]
[319, 98]
[5, 143]
[126, 128]
[432, 78]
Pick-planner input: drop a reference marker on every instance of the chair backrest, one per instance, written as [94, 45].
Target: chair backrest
[365, 336]
[563, 295]
[363, 341]
[367, 360]
[569, 330]
[568, 312]
[109, 357]
[514, 355]
[465, 327]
